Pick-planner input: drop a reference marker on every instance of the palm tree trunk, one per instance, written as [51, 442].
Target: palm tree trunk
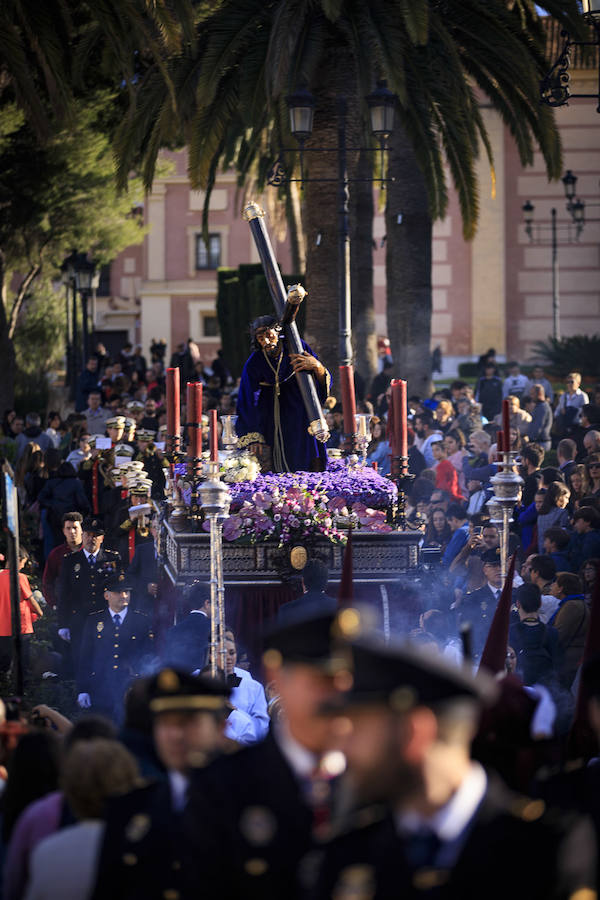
[408, 268]
[321, 205]
[363, 306]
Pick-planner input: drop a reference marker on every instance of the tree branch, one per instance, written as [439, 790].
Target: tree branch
[26, 283]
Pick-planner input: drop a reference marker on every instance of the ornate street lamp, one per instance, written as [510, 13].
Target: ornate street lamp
[555, 86]
[87, 279]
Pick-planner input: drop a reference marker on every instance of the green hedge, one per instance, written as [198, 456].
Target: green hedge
[242, 296]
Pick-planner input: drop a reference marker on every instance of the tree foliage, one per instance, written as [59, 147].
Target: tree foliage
[579, 353]
[55, 197]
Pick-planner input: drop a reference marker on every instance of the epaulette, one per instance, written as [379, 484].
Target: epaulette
[527, 809]
[571, 765]
[87, 464]
[126, 525]
[97, 612]
[111, 552]
[358, 820]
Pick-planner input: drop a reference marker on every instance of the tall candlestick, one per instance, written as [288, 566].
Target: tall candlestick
[500, 442]
[348, 398]
[506, 423]
[173, 414]
[194, 418]
[400, 434]
[214, 436]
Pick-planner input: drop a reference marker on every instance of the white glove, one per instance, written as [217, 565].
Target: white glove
[64, 633]
[84, 701]
[37, 595]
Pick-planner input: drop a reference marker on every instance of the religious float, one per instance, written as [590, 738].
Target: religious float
[246, 532]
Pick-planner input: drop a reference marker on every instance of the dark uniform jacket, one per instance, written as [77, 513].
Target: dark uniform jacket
[309, 604]
[513, 850]
[142, 571]
[248, 828]
[186, 644]
[110, 657]
[141, 852]
[478, 608]
[81, 590]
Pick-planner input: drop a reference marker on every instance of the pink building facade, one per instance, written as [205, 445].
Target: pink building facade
[493, 291]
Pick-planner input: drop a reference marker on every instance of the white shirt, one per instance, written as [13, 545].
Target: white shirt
[548, 607]
[179, 787]
[122, 614]
[248, 698]
[95, 555]
[301, 761]
[451, 822]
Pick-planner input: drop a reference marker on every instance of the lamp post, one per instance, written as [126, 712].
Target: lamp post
[576, 209]
[554, 87]
[301, 106]
[86, 280]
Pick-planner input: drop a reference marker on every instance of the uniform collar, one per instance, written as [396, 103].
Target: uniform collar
[301, 761]
[452, 819]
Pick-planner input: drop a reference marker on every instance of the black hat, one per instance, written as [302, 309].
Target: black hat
[312, 641]
[402, 676]
[491, 557]
[116, 581]
[92, 525]
[172, 690]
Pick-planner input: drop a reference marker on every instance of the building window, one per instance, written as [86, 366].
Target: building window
[210, 326]
[208, 257]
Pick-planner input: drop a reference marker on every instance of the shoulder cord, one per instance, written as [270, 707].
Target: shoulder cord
[279, 459]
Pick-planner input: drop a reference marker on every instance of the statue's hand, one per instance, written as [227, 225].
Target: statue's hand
[296, 294]
[304, 362]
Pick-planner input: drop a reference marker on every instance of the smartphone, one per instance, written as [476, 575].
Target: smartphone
[478, 530]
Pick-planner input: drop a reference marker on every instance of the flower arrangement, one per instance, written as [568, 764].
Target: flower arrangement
[354, 486]
[286, 515]
[238, 468]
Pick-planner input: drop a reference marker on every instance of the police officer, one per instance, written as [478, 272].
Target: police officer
[141, 855]
[430, 821]
[269, 804]
[478, 607]
[81, 584]
[115, 644]
[155, 467]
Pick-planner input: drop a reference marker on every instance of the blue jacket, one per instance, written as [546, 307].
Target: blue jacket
[582, 547]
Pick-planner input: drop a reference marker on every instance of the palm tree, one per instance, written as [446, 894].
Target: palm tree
[50, 51]
[438, 57]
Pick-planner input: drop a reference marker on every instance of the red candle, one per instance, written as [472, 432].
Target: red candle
[348, 398]
[173, 420]
[506, 423]
[194, 418]
[214, 437]
[374, 466]
[500, 442]
[400, 436]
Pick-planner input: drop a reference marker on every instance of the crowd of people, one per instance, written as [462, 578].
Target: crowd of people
[368, 768]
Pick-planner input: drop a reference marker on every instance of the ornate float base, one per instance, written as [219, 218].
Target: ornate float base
[377, 558]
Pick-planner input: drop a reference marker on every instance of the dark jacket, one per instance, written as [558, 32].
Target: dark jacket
[488, 392]
[111, 657]
[538, 430]
[582, 547]
[142, 571]
[140, 857]
[62, 494]
[539, 655]
[510, 851]
[186, 644]
[312, 603]
[248, 826]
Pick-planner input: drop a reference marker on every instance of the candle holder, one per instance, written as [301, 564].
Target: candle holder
[362, 436]
[215, 499]
[403, 480]
[507, 484]
[177, 513]
[229, 436]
